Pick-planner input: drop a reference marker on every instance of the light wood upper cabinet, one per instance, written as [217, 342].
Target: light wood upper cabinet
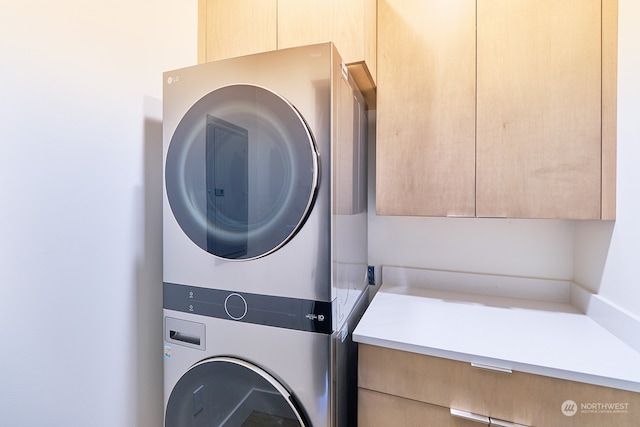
[521, 126]
[350, 25]
[241, 27]
[234, 28]
[425, 138]
[539, 110]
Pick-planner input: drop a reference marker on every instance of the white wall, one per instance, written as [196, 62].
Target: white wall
[80, 198]
[608, 254]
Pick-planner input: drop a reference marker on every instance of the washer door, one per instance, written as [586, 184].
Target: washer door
[228, 392]
[241, 172]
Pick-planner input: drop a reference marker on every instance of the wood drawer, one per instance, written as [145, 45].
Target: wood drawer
[378, 409]
[528, 399]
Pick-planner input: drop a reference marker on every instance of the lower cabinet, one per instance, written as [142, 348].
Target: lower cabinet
[397, 388]
[379, 409]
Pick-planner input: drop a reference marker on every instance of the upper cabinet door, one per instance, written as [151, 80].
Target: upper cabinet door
[242, 27]
[235, 28]
[425, 138]
[349, 24]
[539, 109]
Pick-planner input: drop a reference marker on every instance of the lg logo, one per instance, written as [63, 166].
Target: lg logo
[569, 408]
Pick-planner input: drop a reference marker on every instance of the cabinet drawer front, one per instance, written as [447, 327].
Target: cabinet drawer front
[518, 397]
[383, 410]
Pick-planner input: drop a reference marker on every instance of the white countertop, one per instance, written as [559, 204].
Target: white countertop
[540, 337]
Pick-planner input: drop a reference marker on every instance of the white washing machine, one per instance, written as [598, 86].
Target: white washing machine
[265, 234]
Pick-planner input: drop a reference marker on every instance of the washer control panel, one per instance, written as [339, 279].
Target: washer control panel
[283, 312]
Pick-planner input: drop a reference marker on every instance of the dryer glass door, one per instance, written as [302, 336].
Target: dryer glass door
[228, 392]
[241, 172]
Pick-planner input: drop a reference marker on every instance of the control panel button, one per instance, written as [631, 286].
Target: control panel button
[236, 306]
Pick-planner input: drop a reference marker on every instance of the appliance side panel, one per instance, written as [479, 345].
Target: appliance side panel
[348, 192]
[345, 367]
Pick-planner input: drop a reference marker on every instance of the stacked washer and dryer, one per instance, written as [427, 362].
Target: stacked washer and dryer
[265, 240]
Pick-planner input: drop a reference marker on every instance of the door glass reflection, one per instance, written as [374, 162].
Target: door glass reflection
[223, 393]
[227, 175]
[241, 172]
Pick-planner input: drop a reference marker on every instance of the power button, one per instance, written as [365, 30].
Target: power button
[235, 306]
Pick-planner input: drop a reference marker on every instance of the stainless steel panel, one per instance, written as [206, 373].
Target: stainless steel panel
[301, 361]
[349, 191]
[319, 370]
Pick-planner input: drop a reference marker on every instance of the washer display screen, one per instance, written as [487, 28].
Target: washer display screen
[241, 172]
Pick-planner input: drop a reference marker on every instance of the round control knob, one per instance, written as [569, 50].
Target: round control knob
[236, 306]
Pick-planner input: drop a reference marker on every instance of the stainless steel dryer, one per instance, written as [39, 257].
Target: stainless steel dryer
[265, 222]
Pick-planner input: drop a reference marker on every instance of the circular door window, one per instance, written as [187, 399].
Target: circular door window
[241, 172]
[228, 392]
